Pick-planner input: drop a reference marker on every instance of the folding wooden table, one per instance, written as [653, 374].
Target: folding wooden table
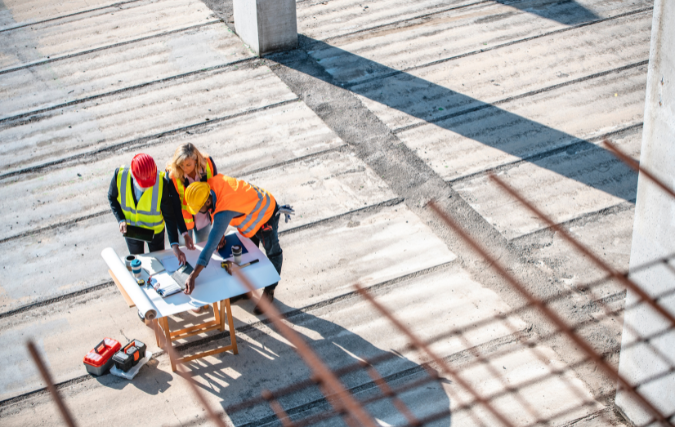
[213, 287]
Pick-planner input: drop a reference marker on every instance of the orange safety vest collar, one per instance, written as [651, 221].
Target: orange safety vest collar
[256, 205]
[180, 189]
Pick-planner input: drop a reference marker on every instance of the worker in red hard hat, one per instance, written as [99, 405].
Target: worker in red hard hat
[140, 196]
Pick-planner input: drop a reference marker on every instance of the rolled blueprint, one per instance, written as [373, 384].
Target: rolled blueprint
[128, 282]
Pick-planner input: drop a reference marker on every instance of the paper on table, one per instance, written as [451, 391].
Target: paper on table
[128, 282]
[151, 264]
[170, 263]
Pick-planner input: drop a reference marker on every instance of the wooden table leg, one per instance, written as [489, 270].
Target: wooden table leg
[222, 315]
[216, 313]
[156, 328]
[164, 321]
[230, 323]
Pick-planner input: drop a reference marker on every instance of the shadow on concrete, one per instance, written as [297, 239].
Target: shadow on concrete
[462, 114]
[572, 14]
[267, 362]
[149, 379]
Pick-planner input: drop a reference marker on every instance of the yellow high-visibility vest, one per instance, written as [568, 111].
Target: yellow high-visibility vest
[180, 189]
[147, 212]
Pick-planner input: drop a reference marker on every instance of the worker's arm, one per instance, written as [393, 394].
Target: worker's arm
[166, 207]
[115, 205]
[178, 211]
[220, 222]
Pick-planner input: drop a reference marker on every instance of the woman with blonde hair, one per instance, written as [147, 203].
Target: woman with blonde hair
[188, 165]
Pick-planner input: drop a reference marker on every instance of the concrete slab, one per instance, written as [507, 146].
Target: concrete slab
[400, 46]
[317, 188]
[471, 143]
[117, 68]
[23, 12]
[433, 92]
[50, 40]
[608, 234]
[238, 147]
[550, 399]
[347, 330]
[324, 19]
[582, 180]
[152, 110]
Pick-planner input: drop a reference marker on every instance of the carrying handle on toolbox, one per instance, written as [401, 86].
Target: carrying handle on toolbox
[99, 345]
[131, 343]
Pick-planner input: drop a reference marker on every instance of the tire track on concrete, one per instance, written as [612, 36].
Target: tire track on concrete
[118, 4]
[401, 21]
[575, 143]
[100, 48]
[500, 46]
[244, 61]
[140, 142]
[524, 95]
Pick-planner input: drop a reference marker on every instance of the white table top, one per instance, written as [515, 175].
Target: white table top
[213, 283]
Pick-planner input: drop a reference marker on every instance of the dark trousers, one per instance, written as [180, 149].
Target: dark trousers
[137, 247]
[268, 235]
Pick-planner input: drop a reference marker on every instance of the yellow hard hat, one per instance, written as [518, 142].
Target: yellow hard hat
[196, 195]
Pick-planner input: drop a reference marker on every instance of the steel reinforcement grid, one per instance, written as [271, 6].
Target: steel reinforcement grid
[504, 402]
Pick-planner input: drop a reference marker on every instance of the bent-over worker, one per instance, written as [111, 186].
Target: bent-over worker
[140, 196]
[252, 210]
[189, 165]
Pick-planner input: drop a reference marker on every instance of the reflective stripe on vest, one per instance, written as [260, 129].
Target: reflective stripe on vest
[256, 204]
[147, 213]
[180, 189]
[251, 221]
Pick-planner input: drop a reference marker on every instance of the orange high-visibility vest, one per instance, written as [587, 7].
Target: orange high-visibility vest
[256, 204]
[180, 189]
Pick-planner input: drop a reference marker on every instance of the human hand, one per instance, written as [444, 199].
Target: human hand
[222, 242]
[179, 254]
[189, 284]
[189, 243]
[123, 227]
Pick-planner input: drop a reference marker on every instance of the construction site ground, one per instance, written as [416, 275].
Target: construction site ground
[385, 106]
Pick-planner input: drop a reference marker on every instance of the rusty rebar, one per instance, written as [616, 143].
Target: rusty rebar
[419, 344]
[183, 372]
[47, 378]
[636, 166]
[331, 386]
[552, 316]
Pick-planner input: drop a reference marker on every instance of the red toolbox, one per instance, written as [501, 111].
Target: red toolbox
[99, 360]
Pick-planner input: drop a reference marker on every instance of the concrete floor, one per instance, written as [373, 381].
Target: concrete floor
[385, 105]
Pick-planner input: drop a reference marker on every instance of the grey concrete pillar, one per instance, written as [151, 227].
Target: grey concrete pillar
[266, 25]
[654, 231]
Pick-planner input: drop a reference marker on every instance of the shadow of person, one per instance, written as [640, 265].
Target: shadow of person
[267, 361]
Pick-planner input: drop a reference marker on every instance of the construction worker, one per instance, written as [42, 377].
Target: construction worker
[188, 165]
[252, 210]
[140, 196]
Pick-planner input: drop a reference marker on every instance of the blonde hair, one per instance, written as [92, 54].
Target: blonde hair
[182, 153]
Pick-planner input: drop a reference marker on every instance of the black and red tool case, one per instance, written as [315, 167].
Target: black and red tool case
[99, 360]
[129, 356]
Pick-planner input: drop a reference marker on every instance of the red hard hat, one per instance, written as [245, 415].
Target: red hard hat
[144, 170]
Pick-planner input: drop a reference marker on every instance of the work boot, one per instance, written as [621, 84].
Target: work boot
[267, 293]
[247, 295]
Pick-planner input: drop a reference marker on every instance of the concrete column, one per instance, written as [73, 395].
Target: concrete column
[654, 231]
[266, 25]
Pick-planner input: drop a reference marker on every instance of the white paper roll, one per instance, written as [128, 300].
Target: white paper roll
[128, 282]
